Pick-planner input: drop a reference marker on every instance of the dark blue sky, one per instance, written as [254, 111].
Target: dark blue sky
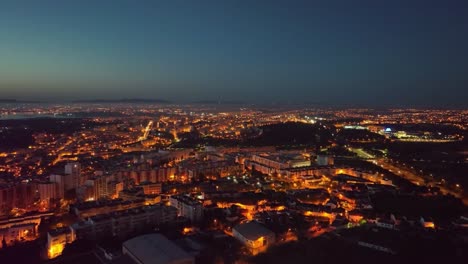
[332, 52]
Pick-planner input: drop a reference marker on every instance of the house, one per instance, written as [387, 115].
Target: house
[254, 236]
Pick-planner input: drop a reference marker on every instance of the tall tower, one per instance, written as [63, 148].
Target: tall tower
[73, 170]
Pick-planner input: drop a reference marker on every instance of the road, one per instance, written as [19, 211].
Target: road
[361, 153]
[408, 174]
[418, 179]
[401, 171]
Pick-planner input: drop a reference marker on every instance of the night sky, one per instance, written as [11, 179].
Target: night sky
[400, 53]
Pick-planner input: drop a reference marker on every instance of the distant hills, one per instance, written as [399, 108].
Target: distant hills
[131, 100]
[208, 102]
[14, 101]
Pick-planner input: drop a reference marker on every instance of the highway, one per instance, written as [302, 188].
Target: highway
[408, 174]
[361, 153]
[401, 171]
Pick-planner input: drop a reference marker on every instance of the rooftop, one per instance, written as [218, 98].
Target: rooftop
[252, 230]
[59, 231]
[186, 199]
[155, 248]
[282, 157]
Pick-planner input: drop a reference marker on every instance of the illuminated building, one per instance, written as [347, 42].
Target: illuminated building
[211, 169]
[19, 232]
[161, 174]
[92, 208]
[386, 223]
[57, 240]
[24, 194]
[308, 171]
[324, 160]
[20, 228]
[151, 188]
[72, 175]
[427, 223]
[355, 216]
[98, 186]
[254, 236]
[312, 180]
[20, 195]
[175, 155]
[73, 168]
[48, 191]
[118, 188]
[187, 207]
[59, 180]
[274, 163]
[124, 222]
[355, 127]
[6, 198]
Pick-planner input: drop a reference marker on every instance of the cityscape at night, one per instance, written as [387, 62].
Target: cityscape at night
[164, 132]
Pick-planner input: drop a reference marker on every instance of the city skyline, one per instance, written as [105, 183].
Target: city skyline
[265, 131]
[366, 53]
[375, 185]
